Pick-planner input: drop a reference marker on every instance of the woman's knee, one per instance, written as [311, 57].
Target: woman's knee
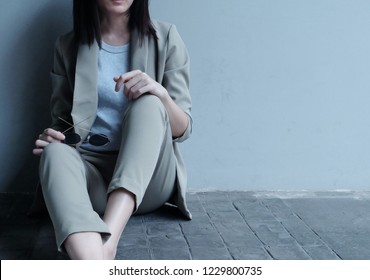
[150, 104]
[57, 152]
[55, 148]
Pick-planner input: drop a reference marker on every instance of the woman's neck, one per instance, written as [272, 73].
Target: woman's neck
[115, 30]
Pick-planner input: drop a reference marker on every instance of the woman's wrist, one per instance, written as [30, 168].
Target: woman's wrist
[164, 96]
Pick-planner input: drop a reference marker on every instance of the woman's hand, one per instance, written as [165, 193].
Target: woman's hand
[48, 136]
[138, 83]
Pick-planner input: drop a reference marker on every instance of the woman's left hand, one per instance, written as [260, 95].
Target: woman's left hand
[137, 83]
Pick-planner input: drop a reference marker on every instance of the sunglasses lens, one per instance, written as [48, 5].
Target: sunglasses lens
[98, 140]
[72, 138]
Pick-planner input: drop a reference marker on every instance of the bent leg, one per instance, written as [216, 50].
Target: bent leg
[146, 156]
[145, 170]
[64, 185]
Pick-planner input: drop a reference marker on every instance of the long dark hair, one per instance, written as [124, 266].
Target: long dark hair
[86, 21]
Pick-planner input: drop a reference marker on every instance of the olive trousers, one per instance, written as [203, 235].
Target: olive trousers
[76, 183]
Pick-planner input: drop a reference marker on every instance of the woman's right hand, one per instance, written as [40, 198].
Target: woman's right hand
[48, 136]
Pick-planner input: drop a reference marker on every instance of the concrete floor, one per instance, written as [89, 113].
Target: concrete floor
[225, 225]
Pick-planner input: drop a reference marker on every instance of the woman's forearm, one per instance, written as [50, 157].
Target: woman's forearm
[179, 120]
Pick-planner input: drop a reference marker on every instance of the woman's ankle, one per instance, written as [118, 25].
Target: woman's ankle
[84, 246]
[109, 251]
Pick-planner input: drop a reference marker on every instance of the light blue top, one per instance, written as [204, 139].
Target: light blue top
[113, 61]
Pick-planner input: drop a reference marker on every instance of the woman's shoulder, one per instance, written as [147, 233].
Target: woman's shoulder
[66, 41]
[165, 30]
[160, 25]
[66, 48]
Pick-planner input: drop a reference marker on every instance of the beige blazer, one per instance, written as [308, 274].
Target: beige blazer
[75, 95]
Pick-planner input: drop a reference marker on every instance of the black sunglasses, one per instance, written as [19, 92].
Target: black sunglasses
[72, 138]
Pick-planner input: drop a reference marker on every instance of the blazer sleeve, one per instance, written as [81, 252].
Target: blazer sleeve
[176, 76]
[62, 91]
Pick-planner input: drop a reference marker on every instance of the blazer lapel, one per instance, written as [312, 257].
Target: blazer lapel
[138, 53]
[85, 100]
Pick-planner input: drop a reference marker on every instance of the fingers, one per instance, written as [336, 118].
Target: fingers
[48, 136]
[40, 145]
[120, 80]
[52, 135]
[119, 83]
[138, 83]
[37, 152]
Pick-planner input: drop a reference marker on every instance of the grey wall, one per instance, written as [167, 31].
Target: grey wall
[28, 30]
[280, 90]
